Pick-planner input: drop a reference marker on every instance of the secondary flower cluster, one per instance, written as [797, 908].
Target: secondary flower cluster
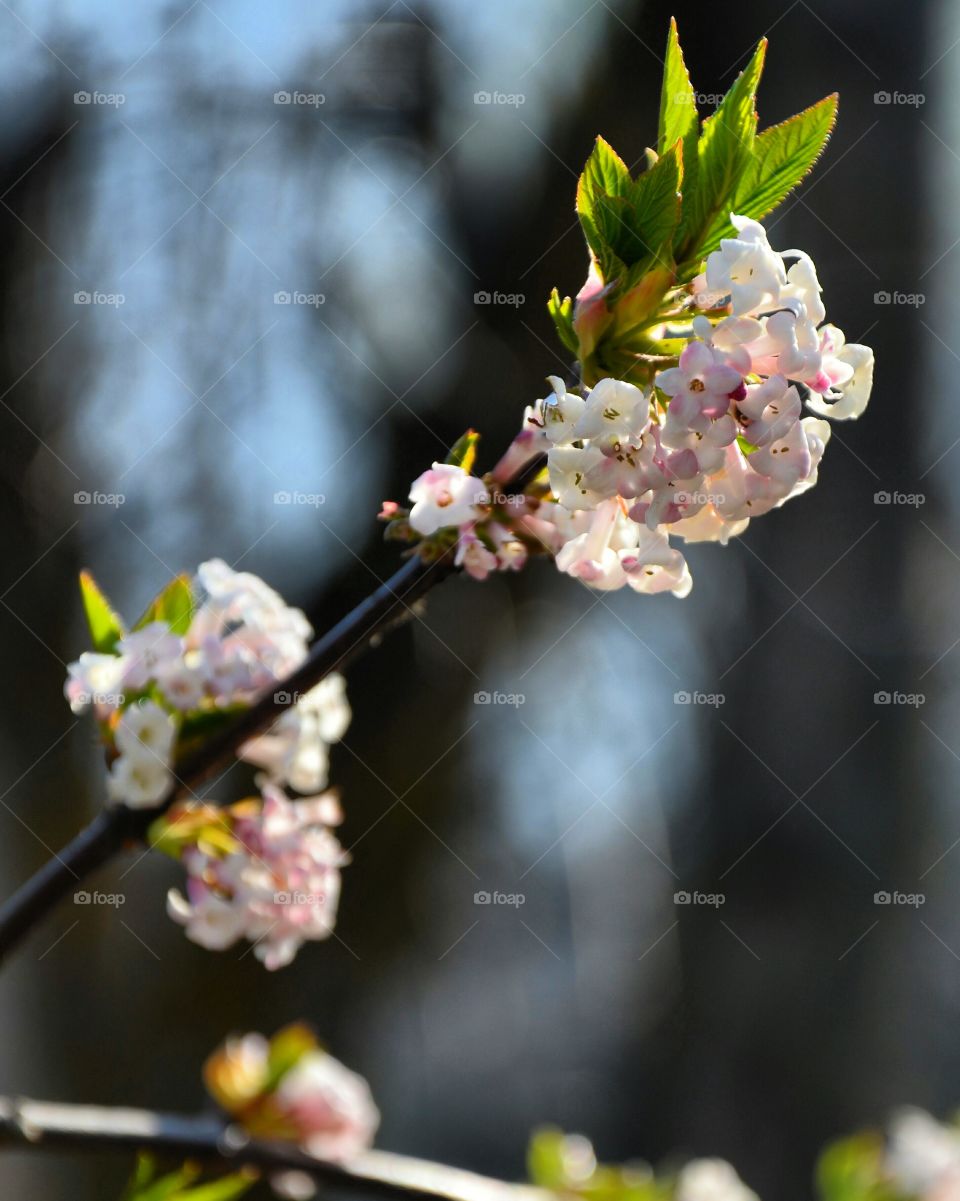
[206, 647]
[289, 1088]
[717, 437]
[264, 870]
[919, 1161]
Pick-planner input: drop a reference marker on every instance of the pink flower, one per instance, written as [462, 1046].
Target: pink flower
[330, 1107]
[704, 375]
[445, 496]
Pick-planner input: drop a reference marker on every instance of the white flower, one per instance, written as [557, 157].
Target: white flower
[138, 783]
[445, 496]
[145, 731]
[147, 651]
[746, 268]
[95, 680]
[848, 368]
[294, 750]
[711, 1180]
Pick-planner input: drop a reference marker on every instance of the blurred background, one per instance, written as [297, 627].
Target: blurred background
[245, 250]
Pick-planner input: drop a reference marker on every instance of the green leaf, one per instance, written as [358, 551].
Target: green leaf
[174, 605]
[463, 453]
[604, 180]
[562, 313]
[654, 203]
[723, 153]
[851, 1170]
[678, 111]
[106, 628]
[145, 1185]
[782, 156]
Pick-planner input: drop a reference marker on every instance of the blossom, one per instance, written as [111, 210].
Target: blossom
[446, 495]
[144, 737]
[277, 886]
[923, 1156]
[294, 750]
[289, 1088]
[746, 267]
[146, 652]
[97, 680]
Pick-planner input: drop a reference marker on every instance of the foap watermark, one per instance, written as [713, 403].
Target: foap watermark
[911, 700]
[513, 899]
[912, 500]
[312, 300]
[113, 500]
[300, 99]
[307, 899]
[512, 300]
[910, 300]
[100, 99]
[699, 498]
[911, 899]
[113, 899]
[112, 300]
[112, 700]
[900, 99]
[512, 699]
[500, 99]
[712, 900]
[312, 500]
[712, 699]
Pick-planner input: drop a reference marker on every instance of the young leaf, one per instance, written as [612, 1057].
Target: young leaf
[782, 156]
[106, 628]
[463, 453]
[654, 201]
[562, 313]
[174, 605]
[604, 176]
[678, 110]
[723, 153]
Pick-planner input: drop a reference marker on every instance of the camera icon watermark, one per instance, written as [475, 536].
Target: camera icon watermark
[910, 300]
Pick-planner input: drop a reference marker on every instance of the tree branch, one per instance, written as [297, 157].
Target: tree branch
[380, 1174]
[389, 606]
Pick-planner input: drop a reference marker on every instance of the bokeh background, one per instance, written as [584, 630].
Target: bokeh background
[182, 198]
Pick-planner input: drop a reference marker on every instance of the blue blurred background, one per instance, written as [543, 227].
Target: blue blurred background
[242, 249]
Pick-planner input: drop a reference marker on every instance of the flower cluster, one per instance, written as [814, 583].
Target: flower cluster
[289, 1088]
[205, 648]
[267, 871]
[918, 1160]
[715, 438]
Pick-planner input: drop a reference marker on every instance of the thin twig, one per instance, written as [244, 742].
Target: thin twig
[389, 606]
[383, 1174]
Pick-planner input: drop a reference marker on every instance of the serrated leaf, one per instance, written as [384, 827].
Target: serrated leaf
[173, 605]
[561, 311]
[463, 453]
[678, 110]
[782, 156]
[106, 628]
[723, 153]
[654, 201]
[605, 176]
